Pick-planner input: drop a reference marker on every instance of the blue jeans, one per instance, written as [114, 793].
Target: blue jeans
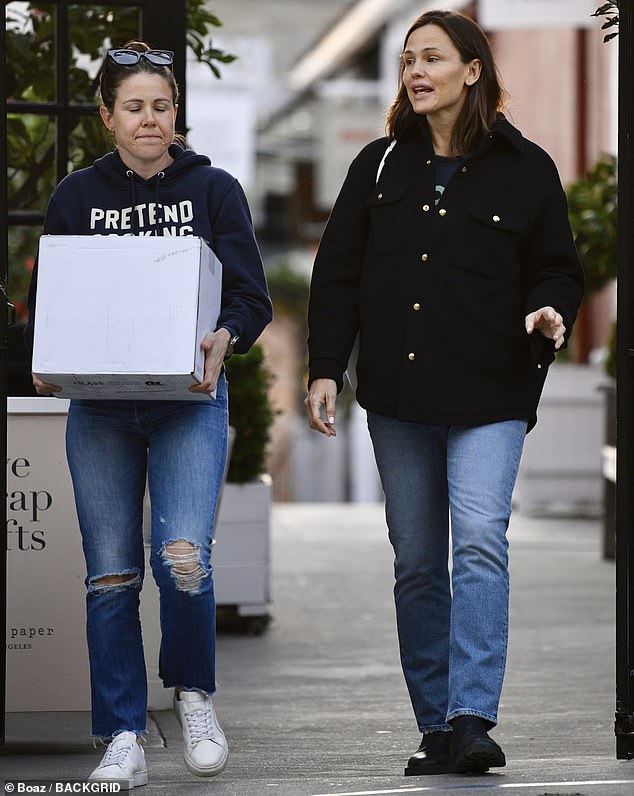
[180, 446]
[452, 628]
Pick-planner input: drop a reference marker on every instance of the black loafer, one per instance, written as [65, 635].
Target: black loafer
[431, 757]
[471, 750]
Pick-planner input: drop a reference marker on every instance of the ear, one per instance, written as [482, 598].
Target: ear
[106, 117]
[474, 70]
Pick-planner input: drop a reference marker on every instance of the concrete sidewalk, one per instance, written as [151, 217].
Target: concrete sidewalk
[317, 705]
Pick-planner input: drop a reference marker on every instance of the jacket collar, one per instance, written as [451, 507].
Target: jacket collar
[502, 130]
[502, 127]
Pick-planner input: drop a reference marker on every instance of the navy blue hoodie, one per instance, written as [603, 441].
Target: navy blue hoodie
[190, 197]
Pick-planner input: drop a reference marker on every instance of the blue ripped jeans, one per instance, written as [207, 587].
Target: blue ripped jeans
[180, 446]
[452, 627]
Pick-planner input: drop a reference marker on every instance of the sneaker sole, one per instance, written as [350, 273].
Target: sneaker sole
[139, 779]
[210, 771]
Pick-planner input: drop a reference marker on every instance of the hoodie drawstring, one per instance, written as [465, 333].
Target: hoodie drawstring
[158, 229]
[157, 186]
[135, 222]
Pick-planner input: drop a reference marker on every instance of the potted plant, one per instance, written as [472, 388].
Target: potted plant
[570, 435]
[241, 557]
[592, 203]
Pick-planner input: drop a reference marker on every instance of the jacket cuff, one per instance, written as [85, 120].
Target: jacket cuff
[326, 369]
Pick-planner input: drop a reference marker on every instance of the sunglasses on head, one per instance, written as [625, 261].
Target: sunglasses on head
[131, 57]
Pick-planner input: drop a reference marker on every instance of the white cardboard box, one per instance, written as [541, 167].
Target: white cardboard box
[124, 316]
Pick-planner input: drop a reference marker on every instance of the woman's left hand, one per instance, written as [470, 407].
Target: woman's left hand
[215, 345]
[549, 322]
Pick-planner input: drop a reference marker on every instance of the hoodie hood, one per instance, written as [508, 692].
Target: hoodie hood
[114, 172]
[117, 175]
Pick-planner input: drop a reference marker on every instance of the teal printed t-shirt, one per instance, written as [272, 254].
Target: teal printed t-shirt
[444, 168]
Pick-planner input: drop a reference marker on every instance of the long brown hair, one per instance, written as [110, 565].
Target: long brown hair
[485, 98]
[111, 75]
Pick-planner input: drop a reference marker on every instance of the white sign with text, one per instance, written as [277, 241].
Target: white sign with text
[47, 660]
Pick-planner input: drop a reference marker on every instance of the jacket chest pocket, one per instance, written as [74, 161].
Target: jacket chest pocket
[494, 231]
[387, 216]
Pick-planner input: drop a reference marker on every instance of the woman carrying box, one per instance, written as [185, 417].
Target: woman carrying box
[151, 185]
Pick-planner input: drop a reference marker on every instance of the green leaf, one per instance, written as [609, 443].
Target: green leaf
[605, 10]
[593, 214]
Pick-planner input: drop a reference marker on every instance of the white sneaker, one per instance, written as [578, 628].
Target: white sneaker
[206, 749]
[123, 762]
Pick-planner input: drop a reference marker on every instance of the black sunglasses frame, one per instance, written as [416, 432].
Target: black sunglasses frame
[155, 57]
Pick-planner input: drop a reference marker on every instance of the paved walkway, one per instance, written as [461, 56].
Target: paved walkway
[317, 705]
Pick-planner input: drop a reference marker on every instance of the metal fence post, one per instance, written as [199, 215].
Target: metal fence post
[4, 260]
[624, 725]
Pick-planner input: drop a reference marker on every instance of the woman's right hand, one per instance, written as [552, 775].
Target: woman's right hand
[322, 392]
[43, 388]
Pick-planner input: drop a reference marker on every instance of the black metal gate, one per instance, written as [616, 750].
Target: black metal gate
[161, 22]
[624, 726]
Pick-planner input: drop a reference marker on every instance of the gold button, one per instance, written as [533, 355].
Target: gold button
[424, 258]
[442, 212]
[496, 219]
[416, 306]
[411, 357]
[425, 208]
[380, 196]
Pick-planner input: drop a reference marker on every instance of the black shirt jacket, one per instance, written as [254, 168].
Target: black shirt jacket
[438, 294]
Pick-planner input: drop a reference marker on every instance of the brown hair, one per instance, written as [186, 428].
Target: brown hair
[485, 98]
[112, 75]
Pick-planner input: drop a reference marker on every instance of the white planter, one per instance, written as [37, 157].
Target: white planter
[241, 551]
[561, 469]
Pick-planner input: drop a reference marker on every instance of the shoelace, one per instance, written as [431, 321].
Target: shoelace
[116, 752]
[200, 724]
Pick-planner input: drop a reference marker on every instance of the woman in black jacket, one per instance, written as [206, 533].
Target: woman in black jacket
[449, 254]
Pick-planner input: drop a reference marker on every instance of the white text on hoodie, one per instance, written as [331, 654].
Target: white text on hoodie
[148, 215]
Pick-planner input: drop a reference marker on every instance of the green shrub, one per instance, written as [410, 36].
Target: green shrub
[592, 209]
[610, 362]
[250, 414]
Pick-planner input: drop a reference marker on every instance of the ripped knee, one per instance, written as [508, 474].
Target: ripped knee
[114, 582]
[183, 559]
